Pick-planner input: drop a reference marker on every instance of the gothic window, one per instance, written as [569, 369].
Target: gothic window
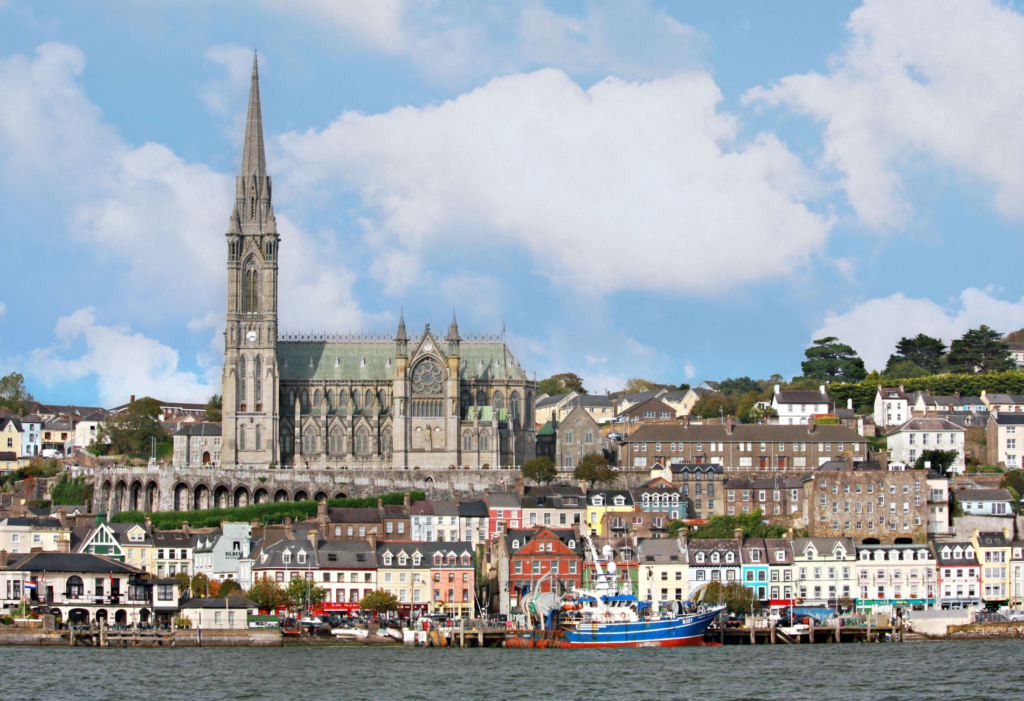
[567, 460]
[330, 400]
[465, 401]
[513, 406]
[485, 441]
[304, 399]
[250, 287]
[259, 438]
[316, 400]
[309, 442]
[369, 398]
[427, 408]
[241, 383]
[380, 398]
[568, 436]
[528, 410]
[362, 441]
[241, 438]
[287, 440]
[343, 398]
[270, 250]
[467, 441]
[427, 378]
[336, 442]
[258, 383]
[499, 400]
[481, 398]
[291, 399]
[588, 436]
[388, 445]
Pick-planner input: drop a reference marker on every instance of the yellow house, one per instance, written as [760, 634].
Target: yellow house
[994, 553]
[129, 543]
[10, 441]
[664, 571]
[601, 502]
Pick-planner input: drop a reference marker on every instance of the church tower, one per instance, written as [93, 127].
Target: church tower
[250, 393]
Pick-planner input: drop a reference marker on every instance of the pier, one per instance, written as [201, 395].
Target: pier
[805, 635]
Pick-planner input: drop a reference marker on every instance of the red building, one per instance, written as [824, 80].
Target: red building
[505, 513]
[544, 559]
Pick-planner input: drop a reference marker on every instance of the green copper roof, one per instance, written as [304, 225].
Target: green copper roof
[375, 360]
[547, 429]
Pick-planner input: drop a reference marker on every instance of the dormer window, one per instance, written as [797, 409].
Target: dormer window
[416, 560]
[780, 555]
[865, 555]
[729, 557]
[715, 558]
[620, 501]
[438, 559]
[699, 557]
[755, 556]
[286, 557]
[572, 544]
[465, 561]
[302, 557]
[402, 560]
[515, 544]
[387, 560]
[597, 501]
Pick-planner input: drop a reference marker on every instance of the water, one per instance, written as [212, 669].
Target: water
[950, 671]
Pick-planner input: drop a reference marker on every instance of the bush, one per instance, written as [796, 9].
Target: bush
[266, 513]
[71, 491]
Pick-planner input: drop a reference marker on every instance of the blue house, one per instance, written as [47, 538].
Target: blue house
[659, 495]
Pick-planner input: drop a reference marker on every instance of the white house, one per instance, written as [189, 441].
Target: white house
[892, 406]
[895, 575]
[909, 440]
[985, 502]
[824, 570]
[1005, 430]
[797, 406]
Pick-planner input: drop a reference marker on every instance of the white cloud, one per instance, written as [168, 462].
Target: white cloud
[943, 79]
[595, 360]
[690, 371]
[874, 327]
[601, 186]
[123, 363]
[599, 383]
[3, 308]
[228, 93]
[377, 23]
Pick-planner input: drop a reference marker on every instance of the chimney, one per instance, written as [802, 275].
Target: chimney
[321, 512]
[254, 524]
[728, 425]
[810, 425]
[62, 516]
[289, 529]
[314, 538]
[487, 491]
[373, 541]
[380, 504]
[848, 459]
[149, 525]
[3, 558]
[738, 535]
[821, 388]
[405, 500]
[901, 389]
[132, 400]
[683, 536]
[64, 545]
[1006, 533]
[776, 389]
[789, 534]
[185, 530]
[849, 403]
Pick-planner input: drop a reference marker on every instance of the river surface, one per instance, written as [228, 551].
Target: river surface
[950, 671]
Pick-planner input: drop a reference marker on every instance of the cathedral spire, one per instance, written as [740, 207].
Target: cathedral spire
[401, 336]
[453, 329]
[253, 160]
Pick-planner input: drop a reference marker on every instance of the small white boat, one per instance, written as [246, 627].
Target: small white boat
[395, 633]
[350, 632]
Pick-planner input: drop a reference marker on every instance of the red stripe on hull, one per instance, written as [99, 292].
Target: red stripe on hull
[544, 643]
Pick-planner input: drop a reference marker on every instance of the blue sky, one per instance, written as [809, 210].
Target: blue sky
[679, 191]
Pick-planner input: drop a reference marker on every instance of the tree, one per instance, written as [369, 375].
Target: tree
[200, 585]
[923, 351]
[737, 597]
[712, 406]
[213, 589]
[904, 370]
[746, 407]
[594, 468]
[229, 587]
[562, 383]
[941, 460]
[725, 527]
[184, 583]
[734, 387]
[1015, 336]
[379, 601]
[540, 469]
[638, 384]
[213, 409]
[267, 594]
[828, 360]
[979, 350]
[303, 594]
[12, 389]
[683, 386]
[132, 430]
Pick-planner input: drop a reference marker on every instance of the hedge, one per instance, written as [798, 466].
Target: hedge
[267, 513]
[1009, 382]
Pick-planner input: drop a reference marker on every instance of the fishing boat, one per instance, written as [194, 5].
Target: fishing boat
[609, 615]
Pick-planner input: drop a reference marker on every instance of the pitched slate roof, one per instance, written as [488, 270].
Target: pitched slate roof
[937, 549]
[524, 536]
[233, 601]
[350, 554]
[662, 550]
[1007, 419]
[983, 495]
[503, 500]
[994, 539]
[427, 549]
[550, 400]
[473, 509]
[801, 396]
[199, 428]
[31, 522]
[352, 514]
[72, 562]
[777, 433]
[926, 425]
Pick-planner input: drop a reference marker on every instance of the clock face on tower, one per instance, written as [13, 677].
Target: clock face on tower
[251, 337]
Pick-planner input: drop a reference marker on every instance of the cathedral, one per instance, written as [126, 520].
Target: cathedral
[333, 401]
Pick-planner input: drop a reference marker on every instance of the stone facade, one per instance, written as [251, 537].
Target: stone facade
[868, 506]
[197, 444]
[336, 401]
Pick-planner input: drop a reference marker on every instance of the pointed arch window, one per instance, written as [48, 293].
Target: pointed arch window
[287, 441]
[467, 441]
[343, 399]
[259, 438]
[499, 400]
[568, 436]
[387, 442]
[316, 400]
[481, 398]
[362, 442]
[250, 287]
[336, 441]
[310, 442]
[330, 400]
[527, 410]
[567, 460]
[485, 440]
[257, 384]
[513, 406]
[241, 438]
[304, 399]
[369, 398]
[241, 383]
[588, 436]
[291, 399]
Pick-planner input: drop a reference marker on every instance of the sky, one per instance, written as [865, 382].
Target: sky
[680, 191]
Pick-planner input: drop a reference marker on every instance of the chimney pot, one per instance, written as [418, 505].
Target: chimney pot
[185, 530]
[372, 538]
[254, 524]
[380, 504]
[3, 558]
[405, 500]
[132, 400]
[314, 537]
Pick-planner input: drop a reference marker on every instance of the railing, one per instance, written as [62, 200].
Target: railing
[325, 337]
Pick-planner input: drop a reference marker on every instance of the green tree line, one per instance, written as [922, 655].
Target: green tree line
[267, 513]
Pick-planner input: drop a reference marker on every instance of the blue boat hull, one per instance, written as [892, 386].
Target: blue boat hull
[675, 632]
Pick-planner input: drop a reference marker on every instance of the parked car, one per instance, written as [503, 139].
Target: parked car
[614, 436]
[1014, 615]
